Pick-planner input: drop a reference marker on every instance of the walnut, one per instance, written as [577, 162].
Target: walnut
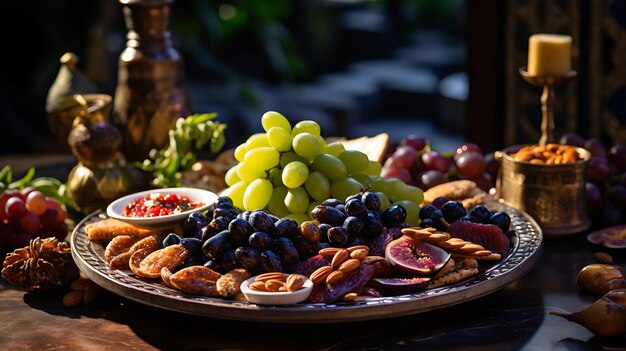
[43, 264]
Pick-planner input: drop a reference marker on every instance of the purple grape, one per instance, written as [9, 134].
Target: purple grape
[596, 148]
[598, 170]
[617, 156]
[573, 139]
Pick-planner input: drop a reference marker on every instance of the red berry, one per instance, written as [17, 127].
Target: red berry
[15, 207]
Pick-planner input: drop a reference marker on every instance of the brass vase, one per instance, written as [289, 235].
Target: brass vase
[150, 95]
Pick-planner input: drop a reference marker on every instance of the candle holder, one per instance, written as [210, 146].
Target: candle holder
[548, 99]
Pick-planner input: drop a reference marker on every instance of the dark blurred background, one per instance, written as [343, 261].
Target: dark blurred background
[443, 69]
[356, 67]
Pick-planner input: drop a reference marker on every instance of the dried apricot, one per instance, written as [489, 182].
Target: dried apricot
[228, 284]
[196, 280]
[170, 257]
[118, 246]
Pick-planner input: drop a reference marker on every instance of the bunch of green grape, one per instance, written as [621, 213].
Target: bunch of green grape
[288, 171]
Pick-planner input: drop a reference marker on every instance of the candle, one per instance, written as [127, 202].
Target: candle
[549, 54]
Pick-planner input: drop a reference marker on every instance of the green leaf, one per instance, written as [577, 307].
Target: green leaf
[6, 174]
[22, 183]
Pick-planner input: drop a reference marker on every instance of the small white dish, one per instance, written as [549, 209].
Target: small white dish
[276, 298]
[116, 207]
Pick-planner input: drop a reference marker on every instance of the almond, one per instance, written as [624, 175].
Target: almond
[340, 257]
[73, 298]
[334, 277]
[320, 274]
[274, 284]
[257, 286]
[373, 259]
[349, 296]
[351, 249]
[603, 257]
[294, 282]
[329, 251]
[80, 284]
[271, 275]
[90, 293]
[349, 265]
[359, 254]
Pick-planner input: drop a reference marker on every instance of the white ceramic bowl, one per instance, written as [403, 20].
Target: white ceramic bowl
[276, 298]
[116, 207]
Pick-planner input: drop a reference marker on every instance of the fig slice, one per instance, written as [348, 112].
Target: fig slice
[414, 257]
[401, 286]
[612, 237]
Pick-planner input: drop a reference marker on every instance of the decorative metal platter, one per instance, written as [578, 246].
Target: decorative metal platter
[524, 253]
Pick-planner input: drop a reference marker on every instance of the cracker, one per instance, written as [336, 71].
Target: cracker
[452, 277]
[374, 147]
[454, 190]
[109, 228]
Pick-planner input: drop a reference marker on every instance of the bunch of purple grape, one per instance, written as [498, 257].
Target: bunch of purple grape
[605, 180]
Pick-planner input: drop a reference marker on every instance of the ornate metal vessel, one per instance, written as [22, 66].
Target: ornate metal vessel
[150, 94]
[554, 195]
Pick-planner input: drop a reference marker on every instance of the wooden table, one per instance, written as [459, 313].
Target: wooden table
[513, 318]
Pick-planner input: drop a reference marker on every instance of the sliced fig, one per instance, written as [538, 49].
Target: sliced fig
[353, 281]
[613, 237]
[415, 257]
[378, 243]
[311, 264]
[401, 286]
[490, 236]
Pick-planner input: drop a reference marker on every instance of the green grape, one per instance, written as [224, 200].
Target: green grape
[412, 212]
[248, 173]
[240, 152]
[306, 145]
[231, 176]
[298, 217]
[262, 158]
[373, 168]
[318, 186]
[257, 140]
[382, 185]
[322, 144]
[411, 193]
[396, 189]
[274, 119]
[290, 156]
[384, 200]
[335, 148]
[330, 165]
[276, 205]
[276, 177]
[257, 194]
[312, 205]
[306, 126]
[364, 179]
[279, 138]
[342, 188]
[355, 161]
[297, 200]
[235, 193]
[295, 174]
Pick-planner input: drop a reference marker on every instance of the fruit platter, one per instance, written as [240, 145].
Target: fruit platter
[523, 253]
[310, 231]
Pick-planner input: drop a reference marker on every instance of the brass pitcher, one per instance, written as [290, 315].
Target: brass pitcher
[150, 95]
[101, 174]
